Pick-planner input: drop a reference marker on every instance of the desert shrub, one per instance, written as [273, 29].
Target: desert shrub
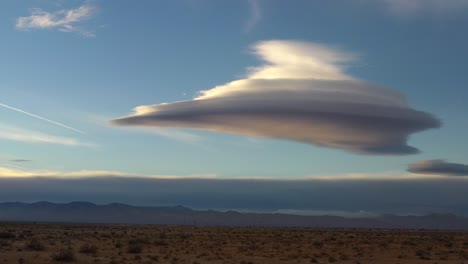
[27, 232]
[88, 249]
[135, 249]
[7, 235]
[318, 244]
[5, 243]
[136, 241]
[408, 243]
[443, 257]
[163, 235]
[464, 255]
[64, 255]
[344, 257]
[160, 243]
[423, 254]
[35, 245]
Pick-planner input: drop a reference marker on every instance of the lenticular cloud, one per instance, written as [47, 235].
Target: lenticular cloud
[300, 93]
[438, 167]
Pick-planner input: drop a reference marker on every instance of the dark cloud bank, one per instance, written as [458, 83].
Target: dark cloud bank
[438, 167]
[404, 196]
[301, 93]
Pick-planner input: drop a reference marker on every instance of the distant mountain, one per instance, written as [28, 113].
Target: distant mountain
[84, 212]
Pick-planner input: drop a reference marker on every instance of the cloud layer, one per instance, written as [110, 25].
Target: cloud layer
[300, 93]
[377, 195]
[65, 20]
[438, 167]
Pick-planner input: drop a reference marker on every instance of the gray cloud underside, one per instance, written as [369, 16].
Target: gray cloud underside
[378, 196]
[366, 121]
[438, 167]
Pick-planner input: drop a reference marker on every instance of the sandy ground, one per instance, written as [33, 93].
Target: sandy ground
[56, 243]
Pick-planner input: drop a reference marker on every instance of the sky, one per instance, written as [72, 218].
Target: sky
[255, 104]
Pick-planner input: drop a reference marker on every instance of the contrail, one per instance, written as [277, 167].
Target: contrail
[42, 118]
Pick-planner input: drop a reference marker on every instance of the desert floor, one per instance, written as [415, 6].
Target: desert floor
[56, 243]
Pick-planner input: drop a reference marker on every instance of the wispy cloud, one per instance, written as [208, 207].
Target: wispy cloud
[23, 135]
[12, 166]
[13, 173]
[173, 134]
[302, 93]
[19, 160]
[65, 20]
[177, 135]
[41, 118]
[255, 15]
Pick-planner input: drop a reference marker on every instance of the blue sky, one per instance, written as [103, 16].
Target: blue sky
[90, 62]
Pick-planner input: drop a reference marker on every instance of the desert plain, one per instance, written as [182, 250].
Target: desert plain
[39, 243]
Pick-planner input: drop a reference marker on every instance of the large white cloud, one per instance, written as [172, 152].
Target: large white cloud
[300, 93]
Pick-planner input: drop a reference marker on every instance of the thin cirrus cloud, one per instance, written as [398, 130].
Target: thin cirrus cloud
[177, 135]
[13, 133]
[13, 166]
[438, 167]
[65, 20]
[255, 15]
[300, 93]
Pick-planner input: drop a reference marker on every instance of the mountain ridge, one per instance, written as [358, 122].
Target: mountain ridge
[118, 213]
